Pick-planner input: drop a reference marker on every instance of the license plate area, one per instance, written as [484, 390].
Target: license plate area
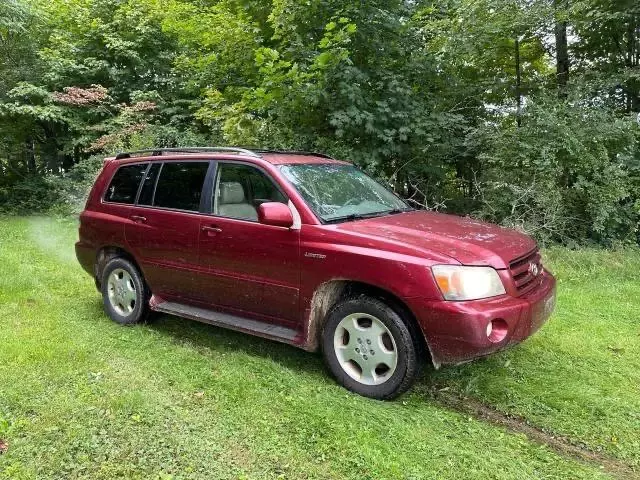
[542, 310]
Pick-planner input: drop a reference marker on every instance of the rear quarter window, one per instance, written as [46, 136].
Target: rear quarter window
[124, 184]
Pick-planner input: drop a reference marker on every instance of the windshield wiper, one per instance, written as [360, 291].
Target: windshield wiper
[360, 216]
[393, 211]
[352, 216]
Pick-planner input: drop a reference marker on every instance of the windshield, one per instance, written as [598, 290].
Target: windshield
[341, 192]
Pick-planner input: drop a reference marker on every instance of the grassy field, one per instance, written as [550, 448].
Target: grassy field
[81, 397]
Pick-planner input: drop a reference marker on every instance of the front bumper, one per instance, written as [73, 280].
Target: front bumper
[456, 332]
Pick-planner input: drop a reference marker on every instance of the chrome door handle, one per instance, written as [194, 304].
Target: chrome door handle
[208, 229]
[138, 218]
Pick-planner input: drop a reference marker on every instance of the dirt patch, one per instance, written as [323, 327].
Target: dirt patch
[513, 423]
[4, 446]
[323, 299]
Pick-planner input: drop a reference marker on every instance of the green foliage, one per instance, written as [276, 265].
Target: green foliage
[570, 172]
[65, 195]
[18, 43]
[426, 95]
[29, 195]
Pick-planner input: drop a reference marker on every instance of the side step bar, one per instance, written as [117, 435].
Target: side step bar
[233, 322]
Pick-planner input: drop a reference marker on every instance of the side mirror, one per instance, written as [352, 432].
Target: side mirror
[276, 214]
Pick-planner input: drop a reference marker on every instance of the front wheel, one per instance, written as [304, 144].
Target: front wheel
[369, 348]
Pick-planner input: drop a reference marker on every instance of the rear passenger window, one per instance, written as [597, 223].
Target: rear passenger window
[149, 185]
[180, 185]
[124, 185]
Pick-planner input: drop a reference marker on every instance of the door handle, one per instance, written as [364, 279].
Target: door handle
[138, 218]
[211, 229]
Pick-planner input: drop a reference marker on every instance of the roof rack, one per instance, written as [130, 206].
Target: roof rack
[161, 151]
[294, 152]
[243, 151]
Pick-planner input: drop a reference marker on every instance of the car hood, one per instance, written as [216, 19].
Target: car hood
[464, 239]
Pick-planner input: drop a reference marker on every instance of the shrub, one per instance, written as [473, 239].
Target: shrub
[570, 173]
[64, 194]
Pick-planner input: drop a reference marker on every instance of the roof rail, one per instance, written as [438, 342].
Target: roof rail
[160, 151]
[294, 152]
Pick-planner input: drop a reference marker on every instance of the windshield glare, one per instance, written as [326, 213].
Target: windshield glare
[337, 192]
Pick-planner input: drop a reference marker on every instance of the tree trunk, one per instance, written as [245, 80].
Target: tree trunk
[635, 104]
[518, 84]
[637, 46]
[631, 61]
[562, 52]
[30, 154]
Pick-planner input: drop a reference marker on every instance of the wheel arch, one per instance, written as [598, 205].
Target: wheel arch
[105, 254]
[331, 292]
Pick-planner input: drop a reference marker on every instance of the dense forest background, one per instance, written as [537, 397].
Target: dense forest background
[523, 112]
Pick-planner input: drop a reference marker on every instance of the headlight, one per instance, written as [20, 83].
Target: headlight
[457, 282]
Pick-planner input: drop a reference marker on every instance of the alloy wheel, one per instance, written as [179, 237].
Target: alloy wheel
[122, 292]
[365, 348]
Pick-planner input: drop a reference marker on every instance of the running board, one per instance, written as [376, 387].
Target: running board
[232, 322]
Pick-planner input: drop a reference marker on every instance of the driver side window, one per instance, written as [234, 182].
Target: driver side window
[241, 189]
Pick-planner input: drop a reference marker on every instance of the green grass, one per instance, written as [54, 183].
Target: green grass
[580, 375]
[81, 397]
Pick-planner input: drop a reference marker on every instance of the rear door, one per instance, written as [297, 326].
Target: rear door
[252, 268]
[164, 226]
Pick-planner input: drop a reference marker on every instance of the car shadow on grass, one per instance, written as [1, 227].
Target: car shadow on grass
[219, 340]
[212, 340]
[204, 337]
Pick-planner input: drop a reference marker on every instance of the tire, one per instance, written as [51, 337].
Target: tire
[124, 293]
[356, 327]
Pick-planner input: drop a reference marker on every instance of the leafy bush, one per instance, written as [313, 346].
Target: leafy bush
[571, 172]
[33, 194]
[65, 194]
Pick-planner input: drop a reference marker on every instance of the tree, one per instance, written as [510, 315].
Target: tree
[459, 104]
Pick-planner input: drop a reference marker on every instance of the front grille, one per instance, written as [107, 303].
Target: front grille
[520, 268]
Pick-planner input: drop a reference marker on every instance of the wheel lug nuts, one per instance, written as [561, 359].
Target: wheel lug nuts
[372, 352]
[368, 342]
[364, 356]
[357, 350]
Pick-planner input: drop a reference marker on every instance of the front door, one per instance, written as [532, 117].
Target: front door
[253, 268]
[164, 226]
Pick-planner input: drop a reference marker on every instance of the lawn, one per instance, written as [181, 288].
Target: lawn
[81, 397]
[580, 375]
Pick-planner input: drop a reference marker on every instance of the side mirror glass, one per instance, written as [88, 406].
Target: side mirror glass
[276, 214]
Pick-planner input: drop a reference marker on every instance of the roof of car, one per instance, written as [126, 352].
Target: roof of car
[297, 158]
[274, 157]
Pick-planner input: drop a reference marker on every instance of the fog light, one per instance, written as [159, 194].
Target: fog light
[497, 330]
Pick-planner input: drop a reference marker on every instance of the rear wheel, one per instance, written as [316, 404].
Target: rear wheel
[369, 348]
[124, 294]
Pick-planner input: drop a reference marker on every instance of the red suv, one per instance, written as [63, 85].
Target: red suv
[308, 250]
